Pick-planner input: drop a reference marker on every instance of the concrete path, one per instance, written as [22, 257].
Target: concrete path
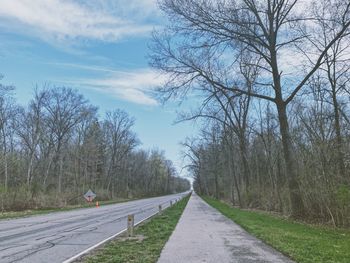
[204, 235]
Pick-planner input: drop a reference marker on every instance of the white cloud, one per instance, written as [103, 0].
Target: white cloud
[65, 20]
[134, 86]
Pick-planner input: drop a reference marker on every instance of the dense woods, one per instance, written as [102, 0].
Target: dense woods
[57, 147]
[273, 82]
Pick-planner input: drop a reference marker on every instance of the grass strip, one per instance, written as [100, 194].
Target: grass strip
[302, 242]
[148, 242]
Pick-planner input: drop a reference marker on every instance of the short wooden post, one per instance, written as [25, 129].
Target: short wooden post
[171, 203]
[160, 209]
[130, 225]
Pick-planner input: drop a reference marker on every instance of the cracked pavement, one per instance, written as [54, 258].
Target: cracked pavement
[58, 236]
[203, 234]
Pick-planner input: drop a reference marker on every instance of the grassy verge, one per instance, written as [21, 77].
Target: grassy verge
[18, 214]
[303, 243]
[149, 240]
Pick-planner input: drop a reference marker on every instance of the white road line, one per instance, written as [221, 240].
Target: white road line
[108, 239]
[92, 247]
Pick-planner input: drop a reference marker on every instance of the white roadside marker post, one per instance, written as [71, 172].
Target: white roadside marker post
[131, 221]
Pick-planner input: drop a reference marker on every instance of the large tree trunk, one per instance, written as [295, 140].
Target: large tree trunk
[217, 190]
[5, 171]
[60, 174]
[235, 182]
[245, 165]
[340, 156]
[5, 158]
[47, 171]
[29, 170]
[297, 205]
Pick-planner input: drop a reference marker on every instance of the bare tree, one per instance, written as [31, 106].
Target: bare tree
[336, 66]
[8, 111]
[30, 129]
[57, 144]
[65, 109]
[194, 49]
[120, 141]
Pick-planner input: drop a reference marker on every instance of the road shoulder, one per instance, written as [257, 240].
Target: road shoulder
[150, 237]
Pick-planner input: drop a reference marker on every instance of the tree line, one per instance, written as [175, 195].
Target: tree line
[272, 78]
[57, 147]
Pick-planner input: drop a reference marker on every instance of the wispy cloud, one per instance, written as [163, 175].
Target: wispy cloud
[136, 85]
[68, 20]
[89, 67]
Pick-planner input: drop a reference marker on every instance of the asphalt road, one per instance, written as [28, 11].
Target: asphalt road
[56, 237]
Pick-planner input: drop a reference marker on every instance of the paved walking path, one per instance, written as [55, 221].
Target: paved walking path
[204, 235]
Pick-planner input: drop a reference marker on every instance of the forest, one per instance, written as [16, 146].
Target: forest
[272, 81]
[57, 147]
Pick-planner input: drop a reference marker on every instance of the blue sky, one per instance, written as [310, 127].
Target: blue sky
[99, 47]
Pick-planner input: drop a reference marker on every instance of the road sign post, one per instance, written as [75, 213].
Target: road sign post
[131, 221]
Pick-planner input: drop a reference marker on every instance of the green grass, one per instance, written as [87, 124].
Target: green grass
[301, 242]
[150, 239]
[41, 211]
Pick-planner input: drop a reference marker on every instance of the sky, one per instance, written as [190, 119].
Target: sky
[99, 47]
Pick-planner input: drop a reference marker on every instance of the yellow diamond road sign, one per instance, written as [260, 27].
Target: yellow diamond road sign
[89, 195]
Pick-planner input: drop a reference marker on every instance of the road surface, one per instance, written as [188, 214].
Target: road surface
[59, 236]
